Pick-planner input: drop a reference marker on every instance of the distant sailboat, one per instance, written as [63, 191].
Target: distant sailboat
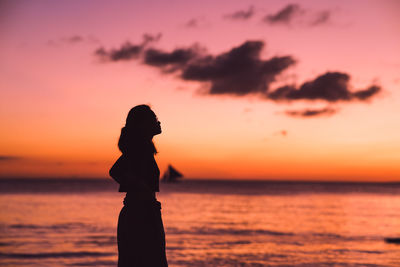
[171, 175]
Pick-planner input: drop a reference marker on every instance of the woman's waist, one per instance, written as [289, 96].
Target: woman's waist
[140, 198]
[138, 189]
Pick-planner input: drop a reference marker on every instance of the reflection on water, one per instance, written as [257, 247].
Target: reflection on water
[222, 225]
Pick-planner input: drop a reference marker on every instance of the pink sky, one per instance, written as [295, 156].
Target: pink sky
[62, 109]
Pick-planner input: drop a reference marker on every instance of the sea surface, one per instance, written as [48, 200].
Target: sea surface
[68, 222]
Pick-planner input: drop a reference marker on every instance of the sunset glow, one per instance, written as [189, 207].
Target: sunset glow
[65, 91]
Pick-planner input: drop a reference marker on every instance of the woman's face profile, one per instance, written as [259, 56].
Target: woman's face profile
[156, 125]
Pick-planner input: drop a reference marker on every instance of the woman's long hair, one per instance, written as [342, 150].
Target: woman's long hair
[134, 136]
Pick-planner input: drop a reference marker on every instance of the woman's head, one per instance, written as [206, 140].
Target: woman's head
[143, 120]
[141, 125]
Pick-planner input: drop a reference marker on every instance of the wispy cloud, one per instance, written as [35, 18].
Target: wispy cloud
[241, 14]
[307, 113]
[72, 40]
[285, 15]
[125, 52]
[9, 158]
[128, 50]
[321, 17]
[192, 23]
[294, 14]
[198, 22]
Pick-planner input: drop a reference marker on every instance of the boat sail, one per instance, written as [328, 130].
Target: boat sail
[171, 175]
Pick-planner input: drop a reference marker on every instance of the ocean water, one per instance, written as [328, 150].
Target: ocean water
[208, 223]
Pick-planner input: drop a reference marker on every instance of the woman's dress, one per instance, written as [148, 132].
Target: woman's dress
[140, 234]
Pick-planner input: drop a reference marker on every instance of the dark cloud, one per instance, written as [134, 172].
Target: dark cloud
[127, 51]
[9, 158]
[331, 87]
[241, 14]
[307, 113]
[367, 93]
[285, 15]
[239, 72]
[321, 18]
[171, 61]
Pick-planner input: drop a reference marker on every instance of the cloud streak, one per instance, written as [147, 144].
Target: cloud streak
[241, 14]
[9, 158]
[198, 22]
[331, 87]
[307, 113]
[321, 18]
[284, 16]
[294, 14]
[72, 40]
[127, 51]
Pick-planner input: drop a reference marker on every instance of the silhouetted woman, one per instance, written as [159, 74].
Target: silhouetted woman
[140, 234]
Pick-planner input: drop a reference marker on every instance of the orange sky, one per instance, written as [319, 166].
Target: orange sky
[62, 108]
